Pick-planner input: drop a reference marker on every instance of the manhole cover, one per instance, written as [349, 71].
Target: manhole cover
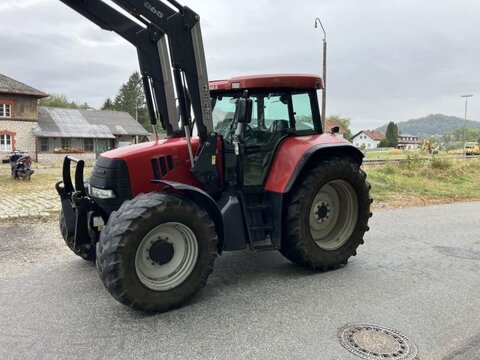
[376, 342]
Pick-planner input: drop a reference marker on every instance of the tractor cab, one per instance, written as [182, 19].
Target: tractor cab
[281, 106]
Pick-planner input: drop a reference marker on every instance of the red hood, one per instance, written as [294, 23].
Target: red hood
[153, 148]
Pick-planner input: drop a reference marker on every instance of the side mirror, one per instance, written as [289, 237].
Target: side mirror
[334, 130]
[243, 113]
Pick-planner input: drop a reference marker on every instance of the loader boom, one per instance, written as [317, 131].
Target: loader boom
[171, 56]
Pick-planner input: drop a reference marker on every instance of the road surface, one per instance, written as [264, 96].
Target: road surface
[418, 273]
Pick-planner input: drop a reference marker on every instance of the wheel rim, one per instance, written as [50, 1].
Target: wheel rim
[333, 214]
[166, 256]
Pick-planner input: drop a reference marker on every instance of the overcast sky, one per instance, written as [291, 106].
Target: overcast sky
[388, 60]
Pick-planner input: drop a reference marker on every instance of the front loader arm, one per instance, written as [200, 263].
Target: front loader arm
[152, 54]
[182, 27]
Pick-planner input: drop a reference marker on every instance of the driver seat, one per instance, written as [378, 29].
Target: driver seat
[279, 126]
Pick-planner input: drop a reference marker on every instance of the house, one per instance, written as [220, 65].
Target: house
[408, 142]
[18, 115]
[329, 123]
[367, 139]
[87, 133]
[47, 134]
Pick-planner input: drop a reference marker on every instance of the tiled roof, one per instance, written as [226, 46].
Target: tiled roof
[11, 86]
[373, 134]
[56, 122]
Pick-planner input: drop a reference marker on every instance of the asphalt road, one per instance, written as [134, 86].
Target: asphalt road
[418, 273]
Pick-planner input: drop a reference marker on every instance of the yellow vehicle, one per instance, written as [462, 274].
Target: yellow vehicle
[430, 146]
[472, 148]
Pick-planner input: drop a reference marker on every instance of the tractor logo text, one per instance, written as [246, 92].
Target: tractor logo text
[153, 9]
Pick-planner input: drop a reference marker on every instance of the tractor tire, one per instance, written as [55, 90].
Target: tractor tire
[328, 215]
[83, 251]
[156, 251]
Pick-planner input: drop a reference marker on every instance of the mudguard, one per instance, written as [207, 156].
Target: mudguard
[203, 200]
[295, 153]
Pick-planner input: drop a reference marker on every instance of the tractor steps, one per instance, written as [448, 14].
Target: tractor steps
[259, 218]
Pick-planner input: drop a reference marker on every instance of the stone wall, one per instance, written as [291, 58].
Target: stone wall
[24, 138]
[58, 158]
[24, 115]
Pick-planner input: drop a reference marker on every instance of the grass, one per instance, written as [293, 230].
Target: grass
[43, 180]
[416, 183]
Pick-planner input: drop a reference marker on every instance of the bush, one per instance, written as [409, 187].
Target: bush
[441, 164]
[388, 169]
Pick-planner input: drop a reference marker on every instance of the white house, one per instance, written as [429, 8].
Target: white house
[408, 142]
[367, 139]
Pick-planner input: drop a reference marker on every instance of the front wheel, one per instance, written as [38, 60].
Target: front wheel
[327, 215]
[156, 251]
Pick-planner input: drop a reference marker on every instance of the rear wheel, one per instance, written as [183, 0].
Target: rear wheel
[86, 252]
[156, 251]
[327, 215]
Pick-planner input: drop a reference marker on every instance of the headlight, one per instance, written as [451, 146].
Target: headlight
[100, 193]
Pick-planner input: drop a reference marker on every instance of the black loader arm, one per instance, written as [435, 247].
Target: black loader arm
[152, 54]
[181, 26]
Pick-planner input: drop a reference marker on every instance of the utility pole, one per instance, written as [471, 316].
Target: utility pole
[324, 91]
[465, 126]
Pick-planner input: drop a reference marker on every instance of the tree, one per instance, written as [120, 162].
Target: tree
[391, 136]
[108, 105]
[131, 99]
[61, 101]
[344, 123]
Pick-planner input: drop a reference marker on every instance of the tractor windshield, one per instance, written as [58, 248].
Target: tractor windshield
[272, 112]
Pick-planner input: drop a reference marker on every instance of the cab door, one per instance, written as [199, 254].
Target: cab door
[275, 116]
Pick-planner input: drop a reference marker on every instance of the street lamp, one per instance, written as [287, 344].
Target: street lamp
[324, 92]
[465, 125]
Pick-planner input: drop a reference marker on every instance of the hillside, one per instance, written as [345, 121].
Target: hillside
[431, 125]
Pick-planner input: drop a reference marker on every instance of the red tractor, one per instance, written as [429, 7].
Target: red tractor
[253, 168]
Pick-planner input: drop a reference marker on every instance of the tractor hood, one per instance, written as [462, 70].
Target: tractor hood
[166, 159]
[173, 146]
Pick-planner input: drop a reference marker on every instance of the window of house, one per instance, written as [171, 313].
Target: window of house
[44, 145]
[88, 145]
[5, 110]
[6, 142]
[66, 143]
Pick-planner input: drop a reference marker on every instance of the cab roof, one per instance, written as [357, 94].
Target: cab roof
[272, 81]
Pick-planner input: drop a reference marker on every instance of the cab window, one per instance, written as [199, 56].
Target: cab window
[303, 112]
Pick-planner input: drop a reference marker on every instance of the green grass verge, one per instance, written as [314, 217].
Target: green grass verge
[424, 182]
